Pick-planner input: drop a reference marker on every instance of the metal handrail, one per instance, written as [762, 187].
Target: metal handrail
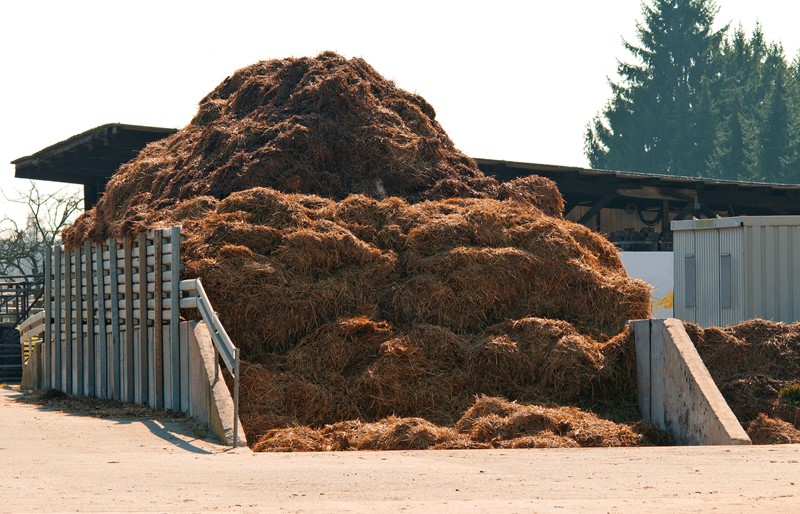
[30, 330]
[223, 346]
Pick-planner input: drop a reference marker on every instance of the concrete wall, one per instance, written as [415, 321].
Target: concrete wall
[210, 401]
[675, 390]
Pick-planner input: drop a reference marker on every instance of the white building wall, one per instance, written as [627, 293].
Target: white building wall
[655, 268]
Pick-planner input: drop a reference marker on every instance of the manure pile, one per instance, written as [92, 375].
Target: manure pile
[751, 363]
[385, 293]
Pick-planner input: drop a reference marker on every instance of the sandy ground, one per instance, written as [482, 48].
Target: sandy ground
[52, 461]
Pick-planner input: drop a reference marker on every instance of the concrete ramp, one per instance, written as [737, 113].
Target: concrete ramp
[676, 392]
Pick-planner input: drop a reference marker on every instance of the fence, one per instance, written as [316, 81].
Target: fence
[111, 324]
[111, 328]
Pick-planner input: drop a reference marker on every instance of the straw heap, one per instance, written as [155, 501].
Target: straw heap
[386, 294]
[751, 363]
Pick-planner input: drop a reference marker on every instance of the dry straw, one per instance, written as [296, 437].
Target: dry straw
[375, 279]
[751, 362]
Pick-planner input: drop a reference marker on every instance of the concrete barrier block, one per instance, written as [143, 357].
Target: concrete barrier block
[698, 410]
[211, 403]
[676, 391]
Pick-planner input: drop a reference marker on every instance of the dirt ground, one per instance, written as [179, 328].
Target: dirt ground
[55, 461]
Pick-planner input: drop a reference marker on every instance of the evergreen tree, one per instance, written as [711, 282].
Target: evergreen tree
[659, 118]
[773, 149]
[736, 112]
[791, 164]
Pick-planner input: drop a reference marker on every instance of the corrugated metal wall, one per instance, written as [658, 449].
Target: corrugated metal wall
[733, 269]
[697, 274]
[772, 278]
[731, 244]
[683, 250]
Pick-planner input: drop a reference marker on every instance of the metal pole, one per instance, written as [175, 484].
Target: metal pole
[216, 361]
[236, 398]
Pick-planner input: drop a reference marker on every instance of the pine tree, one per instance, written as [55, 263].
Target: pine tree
[791, 164]
[659, 118]
[736, 110]
[773, 150]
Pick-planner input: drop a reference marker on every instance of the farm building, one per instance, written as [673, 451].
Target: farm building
[633, 209]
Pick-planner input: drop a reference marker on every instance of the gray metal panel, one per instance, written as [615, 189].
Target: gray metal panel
[690, 281]
[707, 256]
[683, 246]
[719, 293]
[731, 243]
[794, 280]
[725, 281]
[782, 267]
[772, 273]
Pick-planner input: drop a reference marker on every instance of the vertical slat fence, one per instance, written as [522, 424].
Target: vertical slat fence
[112, 315]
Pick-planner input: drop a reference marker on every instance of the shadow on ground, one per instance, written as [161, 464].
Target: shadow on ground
[174, 428]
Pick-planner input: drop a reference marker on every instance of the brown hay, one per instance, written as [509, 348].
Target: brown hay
[751, 362]
[391, 433]
[766, 430]
[495, 419]
[374, 279]
[291, 439]
[533, 190]
[489, 423]
[325, 125]
[545, 355]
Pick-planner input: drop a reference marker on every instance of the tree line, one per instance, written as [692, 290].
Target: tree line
[700, 102]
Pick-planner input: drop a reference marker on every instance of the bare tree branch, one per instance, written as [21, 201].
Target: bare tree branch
[22, 248]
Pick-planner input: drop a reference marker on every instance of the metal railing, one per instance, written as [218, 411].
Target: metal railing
[18, 295]
[30, 333]
[223, 346]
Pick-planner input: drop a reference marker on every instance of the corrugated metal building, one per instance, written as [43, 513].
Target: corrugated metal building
[729, 270]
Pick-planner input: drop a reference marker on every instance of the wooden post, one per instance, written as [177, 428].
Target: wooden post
[90, 355]
[116, 340]
[175, 311]
[68, 339]
[79, 371]
[129, 340]
[58, 313]
[144, 358]
[158, 322]
[47, 296]
[102, 354]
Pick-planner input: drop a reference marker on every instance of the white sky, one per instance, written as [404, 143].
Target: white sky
[509, 80]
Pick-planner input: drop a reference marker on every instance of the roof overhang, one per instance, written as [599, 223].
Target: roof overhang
[582, 186]
[89, 158]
